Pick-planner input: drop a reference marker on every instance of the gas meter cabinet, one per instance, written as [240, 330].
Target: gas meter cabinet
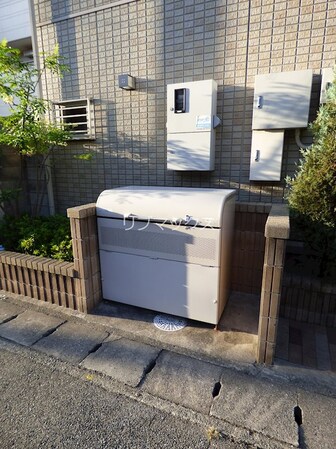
[167, 249]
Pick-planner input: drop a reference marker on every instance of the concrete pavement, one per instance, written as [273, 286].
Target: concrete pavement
[42, 406]
[250, 405]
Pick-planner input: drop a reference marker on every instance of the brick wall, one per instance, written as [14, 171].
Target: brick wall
[248, 247]
[276, 233]
[308, 300]
[162, 42]
[84, 235]
[75, 285]
[40, 278]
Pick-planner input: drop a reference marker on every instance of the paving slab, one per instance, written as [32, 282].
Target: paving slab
[196, 339]
[260, 405]
[318, 428]
[183, 380]
[8, 311]
[28, 327]
[124, 360]
[71, 342]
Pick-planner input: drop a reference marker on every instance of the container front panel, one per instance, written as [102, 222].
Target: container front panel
[177, 288]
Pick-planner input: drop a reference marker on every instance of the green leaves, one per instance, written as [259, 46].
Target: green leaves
[54, 63]
[84, 157]
[38, 236]
[312, 191]
[10, 60]
[27, 128]
[34, 138]
[313, 188]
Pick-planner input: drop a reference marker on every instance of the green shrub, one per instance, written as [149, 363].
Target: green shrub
[319, 257]
[312, 191]
[38, 236]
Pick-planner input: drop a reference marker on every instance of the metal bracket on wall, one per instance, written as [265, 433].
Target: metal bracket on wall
[216, 121]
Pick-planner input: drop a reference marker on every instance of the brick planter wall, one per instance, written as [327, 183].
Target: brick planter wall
[86, 255]
[40, 278]
[75, 285]
[276, 233]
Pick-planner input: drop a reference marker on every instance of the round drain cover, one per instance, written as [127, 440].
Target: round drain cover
[169, 323]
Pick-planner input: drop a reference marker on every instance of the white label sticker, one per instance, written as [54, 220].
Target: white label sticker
[203, 122]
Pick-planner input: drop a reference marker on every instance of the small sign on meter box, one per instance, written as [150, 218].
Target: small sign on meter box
[203, 122]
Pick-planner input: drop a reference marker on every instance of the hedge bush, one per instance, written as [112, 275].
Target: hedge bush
[312, 191]
[38, 236]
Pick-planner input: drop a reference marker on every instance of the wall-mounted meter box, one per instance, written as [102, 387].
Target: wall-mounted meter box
[327, 79]
[191, 119]
[281, 100]
[266, 155]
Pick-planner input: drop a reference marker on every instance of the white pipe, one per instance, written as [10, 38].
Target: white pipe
[298, 140]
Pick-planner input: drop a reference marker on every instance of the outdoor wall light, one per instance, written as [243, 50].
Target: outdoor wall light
[127, 82]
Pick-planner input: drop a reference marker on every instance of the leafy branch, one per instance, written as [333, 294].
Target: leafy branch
[27, 129]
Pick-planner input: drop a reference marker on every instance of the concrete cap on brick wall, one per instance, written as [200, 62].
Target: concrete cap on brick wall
[277, 225]
[87, 210]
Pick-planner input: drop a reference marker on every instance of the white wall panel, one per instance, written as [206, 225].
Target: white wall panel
[14, 20]
[14, 26]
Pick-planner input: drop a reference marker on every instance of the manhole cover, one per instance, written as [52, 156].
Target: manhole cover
[169, 323]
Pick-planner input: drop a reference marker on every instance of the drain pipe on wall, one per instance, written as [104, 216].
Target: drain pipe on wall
[298, 140]
[50, 190]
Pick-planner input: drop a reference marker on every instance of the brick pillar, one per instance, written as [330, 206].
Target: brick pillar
[86, 256]
[276, 233]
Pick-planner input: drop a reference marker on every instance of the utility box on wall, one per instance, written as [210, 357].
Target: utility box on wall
[268, 145]
[281, 101]
[191, 119]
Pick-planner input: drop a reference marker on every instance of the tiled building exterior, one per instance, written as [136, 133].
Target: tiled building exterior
[161, 42]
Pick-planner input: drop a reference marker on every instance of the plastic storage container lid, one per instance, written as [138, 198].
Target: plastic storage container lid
[198, 207]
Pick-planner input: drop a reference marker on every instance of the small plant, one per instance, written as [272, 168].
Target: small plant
[38, 236]
[213, 433]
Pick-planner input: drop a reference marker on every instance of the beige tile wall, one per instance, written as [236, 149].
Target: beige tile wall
[161, 42]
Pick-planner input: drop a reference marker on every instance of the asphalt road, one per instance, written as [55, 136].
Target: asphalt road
[42, 406]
